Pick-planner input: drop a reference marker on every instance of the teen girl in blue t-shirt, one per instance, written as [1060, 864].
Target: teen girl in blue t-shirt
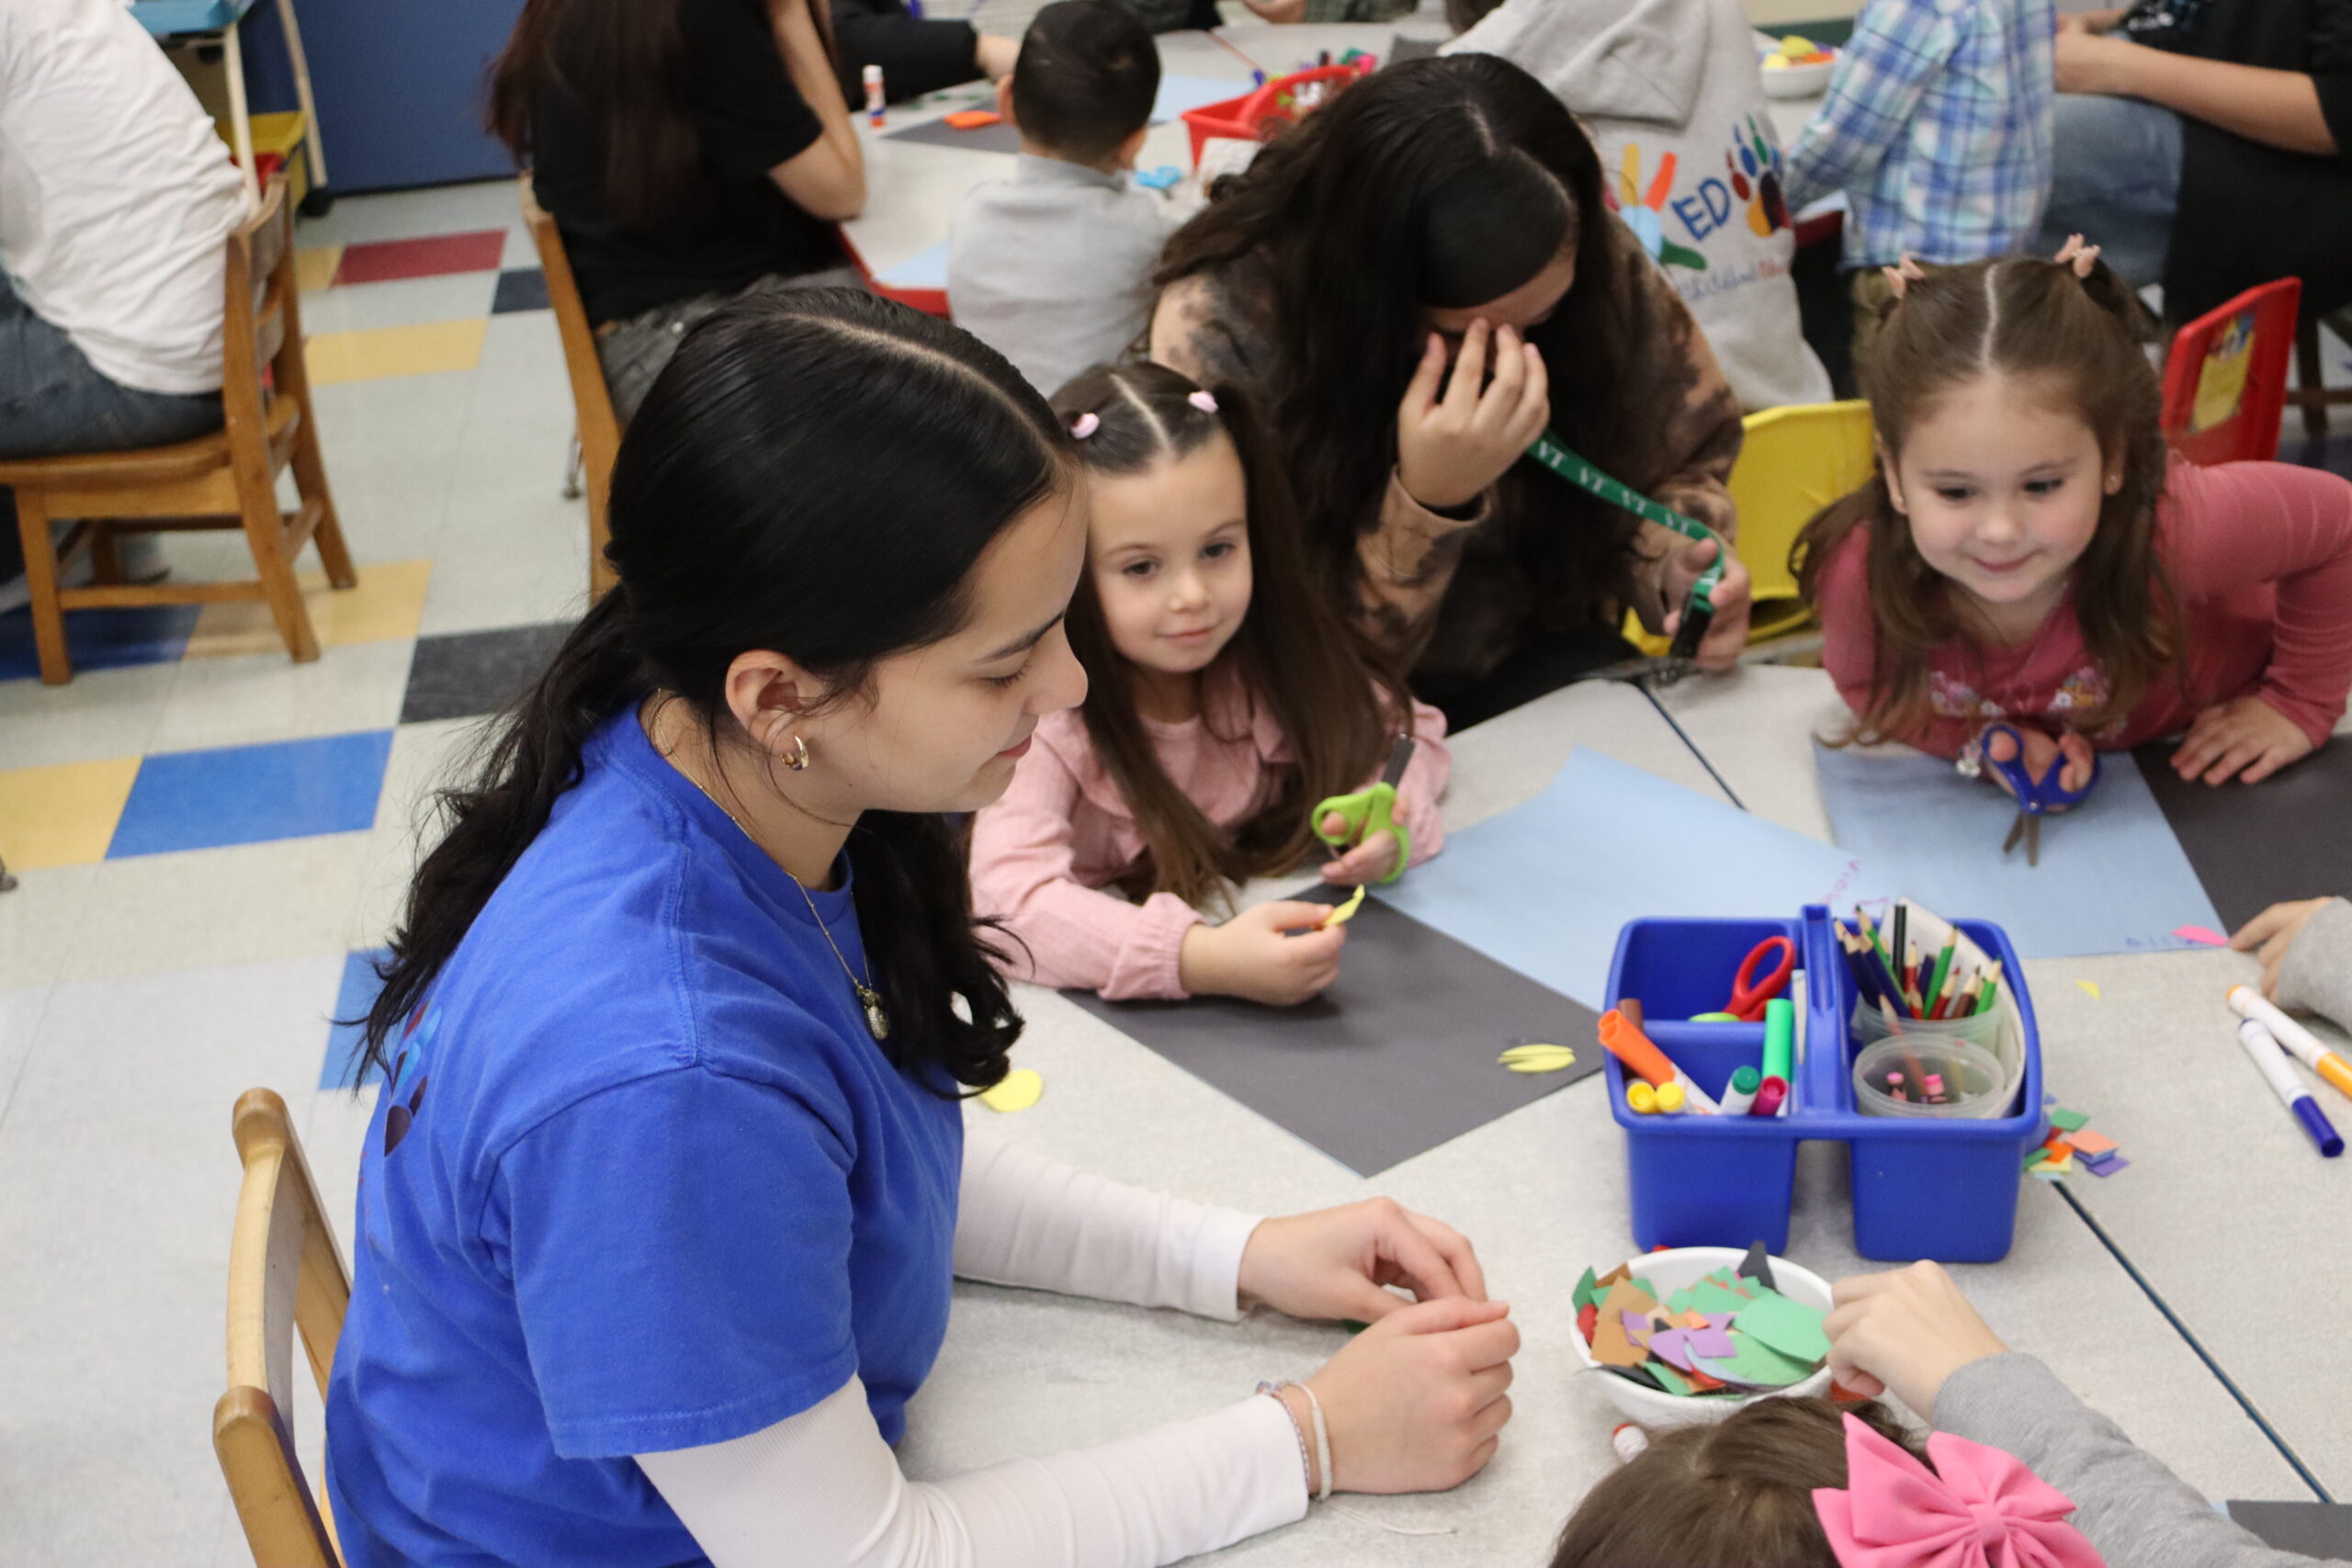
[659, 1207]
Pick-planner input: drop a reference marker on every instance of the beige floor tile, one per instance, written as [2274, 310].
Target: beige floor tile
[242, 904]
[266, 696]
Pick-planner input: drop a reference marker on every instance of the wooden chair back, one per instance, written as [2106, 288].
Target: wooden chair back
[2225, 376]
[591, 404]
[286, 1276]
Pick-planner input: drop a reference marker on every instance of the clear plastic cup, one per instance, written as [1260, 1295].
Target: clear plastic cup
[1964, 1078]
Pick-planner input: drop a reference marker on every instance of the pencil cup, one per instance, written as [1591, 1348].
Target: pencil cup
[1987, 1032]
[1940, 1077]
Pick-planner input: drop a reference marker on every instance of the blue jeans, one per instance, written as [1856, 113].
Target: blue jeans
[2116, 182]
[53, 399]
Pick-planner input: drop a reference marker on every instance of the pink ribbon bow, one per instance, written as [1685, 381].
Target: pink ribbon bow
[1978, 1508]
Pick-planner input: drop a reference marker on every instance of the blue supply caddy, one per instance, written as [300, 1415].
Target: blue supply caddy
[1940, 1188]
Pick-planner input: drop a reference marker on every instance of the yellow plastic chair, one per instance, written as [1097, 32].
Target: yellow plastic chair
[1792, 462]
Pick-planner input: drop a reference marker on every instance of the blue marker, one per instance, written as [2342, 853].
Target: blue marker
[2263, 1046]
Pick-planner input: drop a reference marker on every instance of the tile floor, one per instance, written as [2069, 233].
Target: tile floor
[209, 839]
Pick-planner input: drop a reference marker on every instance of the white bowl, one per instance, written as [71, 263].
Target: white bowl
[1670, 1271]
[1799, 81]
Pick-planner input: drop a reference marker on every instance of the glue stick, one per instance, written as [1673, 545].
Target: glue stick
[1634, 1048]
[1671, 1101]
[1641, 1098]
[874, 103]
[2248, 1002]
[1741, 1094]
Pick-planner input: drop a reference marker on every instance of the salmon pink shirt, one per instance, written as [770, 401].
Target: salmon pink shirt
[1044, 854]
[2261, 557]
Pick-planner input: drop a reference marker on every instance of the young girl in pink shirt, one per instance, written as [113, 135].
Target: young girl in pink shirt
[2029, 552]
[1228, 695]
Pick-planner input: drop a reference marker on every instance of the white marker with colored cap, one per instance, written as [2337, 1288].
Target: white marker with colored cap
[2263, 1046]
[2248, 1002]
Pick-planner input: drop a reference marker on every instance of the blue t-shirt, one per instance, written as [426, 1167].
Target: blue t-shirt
[643, 1182]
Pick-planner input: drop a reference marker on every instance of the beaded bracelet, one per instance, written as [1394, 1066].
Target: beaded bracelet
[1273, 1389]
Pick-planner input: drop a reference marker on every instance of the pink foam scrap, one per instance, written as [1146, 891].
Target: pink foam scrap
[2202, 936]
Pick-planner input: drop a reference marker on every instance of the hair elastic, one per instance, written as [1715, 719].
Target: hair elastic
[2076, 254]
[1084, 425]
[1202, 402]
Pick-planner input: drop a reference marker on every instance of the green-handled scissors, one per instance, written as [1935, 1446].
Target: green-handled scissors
[1373, 810]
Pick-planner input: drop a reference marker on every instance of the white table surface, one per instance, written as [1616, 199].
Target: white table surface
[1541, 1193]
[2227, 1209]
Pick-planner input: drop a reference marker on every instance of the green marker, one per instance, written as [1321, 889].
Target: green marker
[1781, 1039]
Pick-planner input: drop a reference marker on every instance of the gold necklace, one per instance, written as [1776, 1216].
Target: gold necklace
[878, 1017]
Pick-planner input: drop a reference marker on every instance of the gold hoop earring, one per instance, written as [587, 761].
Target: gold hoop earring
[799, 761]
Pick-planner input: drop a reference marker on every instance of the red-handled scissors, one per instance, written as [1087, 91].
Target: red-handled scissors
[1749, 994]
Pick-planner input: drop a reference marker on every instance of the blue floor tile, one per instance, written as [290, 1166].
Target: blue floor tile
[359, 993]
[101, 639]
[248, 795]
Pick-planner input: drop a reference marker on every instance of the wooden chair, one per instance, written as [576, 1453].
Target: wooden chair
[228, 480]
[2225, 377]
[591, 404]
[285, 1273]
[2311, 393]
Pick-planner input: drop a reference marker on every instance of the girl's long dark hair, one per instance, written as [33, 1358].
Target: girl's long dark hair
[2031, 321]
[1294, 652]
[816, 472]
[625, 66]
[1443, 183]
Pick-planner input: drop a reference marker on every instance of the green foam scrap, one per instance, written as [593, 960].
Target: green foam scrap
[1790, 1327]
[1757, 1365]
[1675, 1383]
[2034, 1157]
[2067, 1121]
[1645, 1287]
[1586, 1290]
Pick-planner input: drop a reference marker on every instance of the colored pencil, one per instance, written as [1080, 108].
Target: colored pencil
[1944, 967]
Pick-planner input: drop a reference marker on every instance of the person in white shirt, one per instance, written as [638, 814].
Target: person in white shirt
[1052, 268]
[116, 199]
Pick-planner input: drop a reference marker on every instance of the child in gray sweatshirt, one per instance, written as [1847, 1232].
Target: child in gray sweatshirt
[1750, 1489]
[2306, 953]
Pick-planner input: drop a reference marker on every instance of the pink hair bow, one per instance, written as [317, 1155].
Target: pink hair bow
[1978, 1508]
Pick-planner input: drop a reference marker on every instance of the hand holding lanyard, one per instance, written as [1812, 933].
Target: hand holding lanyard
[1699, 611]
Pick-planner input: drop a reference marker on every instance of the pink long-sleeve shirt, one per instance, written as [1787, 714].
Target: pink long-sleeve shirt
[2261, 557]
[1044, 855]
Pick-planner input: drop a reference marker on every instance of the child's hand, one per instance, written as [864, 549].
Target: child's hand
[1370, 860]
[1727, 633]
[1449, 449]
[1415, 1403]
[2274, 931]
[2070, 753]
[1904, 1333]
[1340, 1262]
[1250, 956]
[2245, 732]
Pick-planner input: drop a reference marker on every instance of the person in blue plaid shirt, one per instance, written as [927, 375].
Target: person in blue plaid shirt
[1936, 126]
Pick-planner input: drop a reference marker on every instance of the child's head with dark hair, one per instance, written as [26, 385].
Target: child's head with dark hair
[1198, 585]
[2020, 462]
[1734, 1494]
[1083, 87]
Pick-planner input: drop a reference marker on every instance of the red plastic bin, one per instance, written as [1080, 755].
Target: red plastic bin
[1265, 112]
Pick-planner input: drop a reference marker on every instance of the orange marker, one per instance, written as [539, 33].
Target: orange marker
[1634, 1048]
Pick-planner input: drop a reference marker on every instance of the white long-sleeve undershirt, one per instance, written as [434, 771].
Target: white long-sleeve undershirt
[822, 1490]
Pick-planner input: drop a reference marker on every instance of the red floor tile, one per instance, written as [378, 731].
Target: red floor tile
[384, 261]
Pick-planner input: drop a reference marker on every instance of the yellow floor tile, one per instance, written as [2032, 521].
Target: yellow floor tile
[384, 607]
[63, 815]
[314, 269]
[381, 351]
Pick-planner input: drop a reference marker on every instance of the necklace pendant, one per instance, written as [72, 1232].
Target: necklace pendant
[878, 1017]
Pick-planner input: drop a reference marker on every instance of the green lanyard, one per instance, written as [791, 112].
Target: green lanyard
[1563, 460]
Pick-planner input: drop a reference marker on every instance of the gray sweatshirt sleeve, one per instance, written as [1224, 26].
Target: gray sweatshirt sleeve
[2137, 1513]
[2317, 976]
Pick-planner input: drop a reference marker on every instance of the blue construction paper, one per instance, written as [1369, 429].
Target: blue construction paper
[2112, 878]
[1177, 94]
[1545, 887]
[924, 269]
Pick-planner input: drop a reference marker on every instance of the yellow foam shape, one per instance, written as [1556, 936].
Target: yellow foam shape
[1347, 912]
[1537, 1058]
[1795, 44]
[2092, 987]
[1019, 1091]
[65, 814]
[381, 352]
[387, 606]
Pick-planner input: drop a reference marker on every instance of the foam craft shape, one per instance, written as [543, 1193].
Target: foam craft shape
[2092, 1144]
[1791, 1327]
[1605, 844]
[1584, 1291]
[2199, 935]
[2068, 1120]
[1712, 1343]
[1611, 1347]
[2108, 1168]
[1674, 1382]
[1758, 1266]
[1538, 1058]
[1673, 1346]
[2091, 988]
[1018, 1091]
[2112, 877]
[1347, 912]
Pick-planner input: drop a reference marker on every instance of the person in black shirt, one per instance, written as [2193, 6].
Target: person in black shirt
[2234, 114]
[917, 54]
[690, 151]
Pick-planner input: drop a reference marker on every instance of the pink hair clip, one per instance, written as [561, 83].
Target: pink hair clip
[1084, 425]
[1202, 402]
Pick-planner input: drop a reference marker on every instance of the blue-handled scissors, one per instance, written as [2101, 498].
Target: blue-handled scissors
[2036, 798]
[1749, 994]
